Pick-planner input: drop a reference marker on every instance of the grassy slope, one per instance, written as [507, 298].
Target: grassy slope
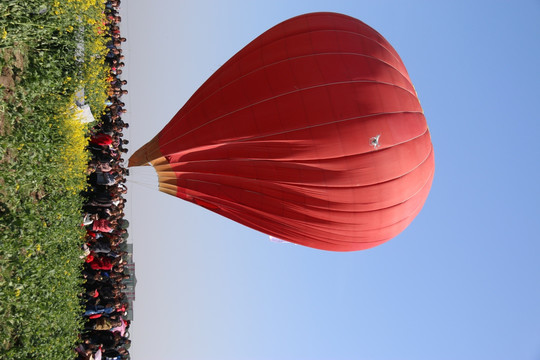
[42, 163]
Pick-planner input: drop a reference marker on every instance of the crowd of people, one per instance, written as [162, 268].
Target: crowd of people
[105, 334]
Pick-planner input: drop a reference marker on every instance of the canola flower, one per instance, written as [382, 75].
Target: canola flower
[85, 7]
[87, 14]
[73, 157]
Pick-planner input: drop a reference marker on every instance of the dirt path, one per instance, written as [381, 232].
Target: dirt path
[8, 79]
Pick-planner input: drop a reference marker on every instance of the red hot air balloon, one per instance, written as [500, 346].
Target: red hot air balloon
[312, 133]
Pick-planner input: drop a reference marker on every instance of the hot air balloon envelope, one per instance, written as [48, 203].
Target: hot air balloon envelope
[313, 133]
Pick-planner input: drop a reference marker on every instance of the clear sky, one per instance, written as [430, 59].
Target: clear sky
[462, 282]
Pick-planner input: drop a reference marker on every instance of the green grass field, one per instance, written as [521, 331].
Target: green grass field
[42, 163]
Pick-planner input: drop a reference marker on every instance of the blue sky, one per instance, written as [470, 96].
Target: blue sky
[460, 283]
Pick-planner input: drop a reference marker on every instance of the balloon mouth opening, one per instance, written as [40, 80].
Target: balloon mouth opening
[167, 179]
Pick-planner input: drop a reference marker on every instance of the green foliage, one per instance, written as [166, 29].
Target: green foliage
[42, 169]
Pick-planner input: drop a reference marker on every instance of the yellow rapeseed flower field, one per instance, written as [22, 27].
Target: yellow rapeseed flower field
[74, 157]
[43, 169]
